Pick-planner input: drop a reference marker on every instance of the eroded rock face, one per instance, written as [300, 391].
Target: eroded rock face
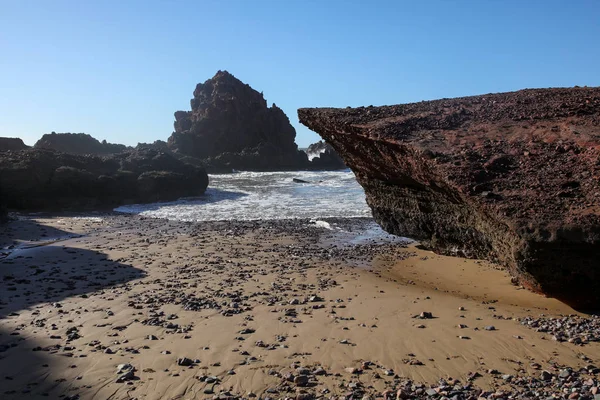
[11, 144]
[37, 179]
[78, 143]
[509, 177]
[230, 126]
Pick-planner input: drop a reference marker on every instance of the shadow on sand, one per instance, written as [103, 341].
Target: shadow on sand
[39, 272]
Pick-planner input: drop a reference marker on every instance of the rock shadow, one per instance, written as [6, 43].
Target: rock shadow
[36, 269]
[23, 372]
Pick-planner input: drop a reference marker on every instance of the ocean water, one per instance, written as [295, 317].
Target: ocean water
[267, 195]
[326, 197]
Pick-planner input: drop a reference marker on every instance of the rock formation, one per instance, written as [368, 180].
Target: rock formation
[323, 156]
[11, 144]
[510, 177]
[230, 126]
[159, 145]
[37, 179]
[78, 143]
[8, 144]
[3, 210]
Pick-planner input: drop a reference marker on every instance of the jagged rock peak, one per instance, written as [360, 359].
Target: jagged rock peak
[231, 124]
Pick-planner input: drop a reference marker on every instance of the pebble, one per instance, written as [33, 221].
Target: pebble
[545, 376]
[184, 362]
[301, 380]
[125, 372]
[565, 373]
[574, 329]
[228, 300]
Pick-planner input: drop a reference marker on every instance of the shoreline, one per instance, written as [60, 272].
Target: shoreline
[273, 309]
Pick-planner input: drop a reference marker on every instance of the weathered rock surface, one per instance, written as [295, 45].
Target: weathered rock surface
[510, 177]
[44, 179]
[78, 143]
[230, 126]
[323, 156]
[159, 145]
[11, 144]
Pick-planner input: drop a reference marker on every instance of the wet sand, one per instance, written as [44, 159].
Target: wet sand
[270, 309]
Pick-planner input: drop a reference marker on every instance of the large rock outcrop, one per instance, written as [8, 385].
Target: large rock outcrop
[77, 143]
[230, 126]
[510, 177]
[11, 144]
[38, 179]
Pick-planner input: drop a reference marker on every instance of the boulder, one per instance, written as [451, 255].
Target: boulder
[230, 127]
[510, 177]
[11, 144]
[159, 185]
[36, 179]
[78, 143]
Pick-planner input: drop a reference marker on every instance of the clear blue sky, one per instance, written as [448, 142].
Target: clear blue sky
[119, 69]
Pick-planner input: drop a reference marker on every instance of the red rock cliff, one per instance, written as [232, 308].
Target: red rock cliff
[510, 177]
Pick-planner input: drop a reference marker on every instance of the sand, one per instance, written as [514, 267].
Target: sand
[243, 304]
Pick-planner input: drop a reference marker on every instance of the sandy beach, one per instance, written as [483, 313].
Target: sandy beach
[126, 307]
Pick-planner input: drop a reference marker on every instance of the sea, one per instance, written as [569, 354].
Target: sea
[321, 197]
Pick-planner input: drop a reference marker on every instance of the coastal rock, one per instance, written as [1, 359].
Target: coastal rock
[159, 145]
[8, 144]
[509, 177]
[3, 210]
[11, 144]
[77, 143]
[323, 156]
[44, 179]
[230, 127]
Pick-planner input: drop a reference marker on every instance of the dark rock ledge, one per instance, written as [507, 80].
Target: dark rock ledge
[510, 177]
[36, 179]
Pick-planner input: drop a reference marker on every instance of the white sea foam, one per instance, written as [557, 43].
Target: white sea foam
[274, 195]
[91, 219]
[321, 224]
[313, 154]
[267, 195]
